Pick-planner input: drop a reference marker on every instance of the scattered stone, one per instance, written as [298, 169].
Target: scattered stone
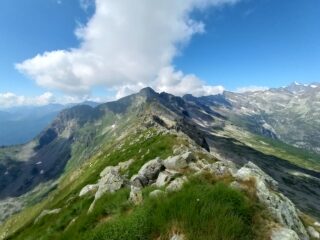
[284, 234]
[317, 224]
[139, 181]
[46, 213]
[88, 189]
[281, 208]
[151, 169]
[135, 195]
[313, 233]
[163, 178]
[177, 237]
[110, 181]
[176, 184]
[251, 170]
[156, 193]
[194, 167]
[179, 162]
[222, 168]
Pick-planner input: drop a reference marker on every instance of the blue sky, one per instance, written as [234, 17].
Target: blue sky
[251, 43]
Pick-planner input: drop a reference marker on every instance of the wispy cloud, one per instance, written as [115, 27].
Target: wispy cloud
[124, 46]
[251, 89]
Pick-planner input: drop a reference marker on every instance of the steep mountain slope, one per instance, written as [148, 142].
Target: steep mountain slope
[19, 125]
[87, 145]
[290, 114]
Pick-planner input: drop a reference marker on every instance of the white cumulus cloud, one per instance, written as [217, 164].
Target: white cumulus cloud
[10, 99]
[126, 45]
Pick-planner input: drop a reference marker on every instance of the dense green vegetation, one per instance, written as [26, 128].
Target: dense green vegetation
[199, 211]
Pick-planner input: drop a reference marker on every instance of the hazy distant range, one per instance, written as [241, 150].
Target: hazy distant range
[19, 125]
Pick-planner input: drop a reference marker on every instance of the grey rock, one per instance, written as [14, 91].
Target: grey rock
[87, 189]
[222, 168]
[313, 233]
[135, 195]
[284, 234]
[110, 181]
[176, 184]
[179, 162]
[139, 181]
[163, 178]
[281, 208]
[177, 237]
[151, 169]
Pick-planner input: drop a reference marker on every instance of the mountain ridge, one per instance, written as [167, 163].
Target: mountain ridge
[81, 133]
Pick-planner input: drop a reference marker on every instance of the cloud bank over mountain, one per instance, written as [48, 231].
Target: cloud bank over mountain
[126, 45]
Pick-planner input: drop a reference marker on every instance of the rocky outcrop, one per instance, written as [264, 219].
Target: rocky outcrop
[135, 195]
[151, 170]
[88, 189]
[176, 184]
[148, 173]
[280, 207]
[164, 178]
[222, 168]
[313, 233]
[110, 181]
[284, 234]
[179, 162]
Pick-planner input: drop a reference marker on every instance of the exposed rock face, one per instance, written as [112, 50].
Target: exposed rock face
[281, 208]
[88, 188]
[139, 181]
[163, 178]
[110, 181]
[222, 168]
[284, 234]
[313, 233]
[179, 162]
[151, 169]
[135, 195]
[46, 213]
[176, 184]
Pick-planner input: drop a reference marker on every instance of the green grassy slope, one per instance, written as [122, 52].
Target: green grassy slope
[203, 209]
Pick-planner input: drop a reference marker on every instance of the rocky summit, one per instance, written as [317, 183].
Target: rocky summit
[158, 166]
